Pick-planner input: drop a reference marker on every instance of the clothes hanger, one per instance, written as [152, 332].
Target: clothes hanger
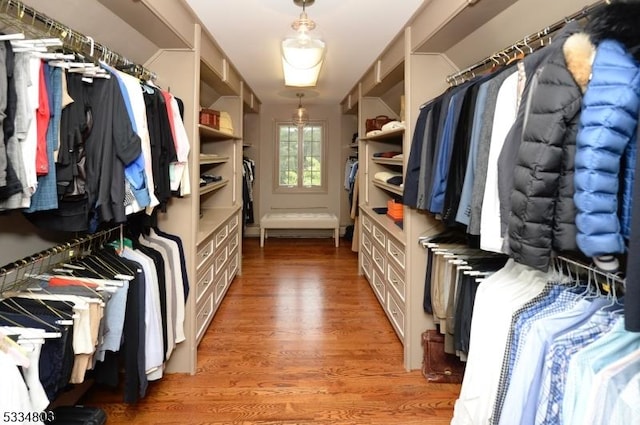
[21, 310]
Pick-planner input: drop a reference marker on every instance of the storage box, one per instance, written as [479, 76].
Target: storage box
[394, 210]
[210, 118]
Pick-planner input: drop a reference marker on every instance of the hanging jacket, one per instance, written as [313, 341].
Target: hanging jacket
[606, 143]
[607, 147]
[542, 216]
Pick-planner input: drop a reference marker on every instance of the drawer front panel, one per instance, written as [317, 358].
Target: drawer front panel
[379, 236]
[221, 258]
[204, 282]
[366, 242]
[396, 252]
[396, 314]
[233, 265]
[205, 251]
[203, 317]
[221, 286]
[233, 222]
[366, 265]
[221, 236]
[378, 259]
[396, 281]
[378, 286]
[366, 222]
[234, 240]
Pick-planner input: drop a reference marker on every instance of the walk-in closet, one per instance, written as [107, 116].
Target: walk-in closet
[319, 212]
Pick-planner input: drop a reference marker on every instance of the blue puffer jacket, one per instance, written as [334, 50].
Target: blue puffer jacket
[606, 146]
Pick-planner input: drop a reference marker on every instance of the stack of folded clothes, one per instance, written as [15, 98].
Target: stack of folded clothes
[206, 179]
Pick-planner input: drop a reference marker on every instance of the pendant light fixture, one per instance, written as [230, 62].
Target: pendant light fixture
[300, 116]
[302, 53]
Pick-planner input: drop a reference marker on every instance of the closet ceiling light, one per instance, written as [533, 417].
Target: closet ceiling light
[302, 53]
[300, 116]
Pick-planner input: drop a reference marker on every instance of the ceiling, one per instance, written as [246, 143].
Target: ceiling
[355, 33]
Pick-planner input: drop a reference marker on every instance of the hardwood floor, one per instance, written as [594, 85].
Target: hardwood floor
[299, 339]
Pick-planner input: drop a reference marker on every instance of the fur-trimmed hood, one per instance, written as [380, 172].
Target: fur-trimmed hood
[579, 52]
[619, 21]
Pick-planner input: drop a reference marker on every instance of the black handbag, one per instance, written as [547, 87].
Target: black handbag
[77, 415]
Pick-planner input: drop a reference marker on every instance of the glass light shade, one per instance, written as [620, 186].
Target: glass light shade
[300, 77]
[303, 52]
[300, 116]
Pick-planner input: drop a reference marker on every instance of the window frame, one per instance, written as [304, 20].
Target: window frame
[299, 188]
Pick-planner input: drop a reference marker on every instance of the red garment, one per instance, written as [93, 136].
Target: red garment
[167, 100]
[70, 281]
[43, 115]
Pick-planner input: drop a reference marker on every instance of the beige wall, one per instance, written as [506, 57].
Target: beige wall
[335, 156]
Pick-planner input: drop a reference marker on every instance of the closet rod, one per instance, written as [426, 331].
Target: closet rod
[13, 274]
[27, 19]
[525, 43]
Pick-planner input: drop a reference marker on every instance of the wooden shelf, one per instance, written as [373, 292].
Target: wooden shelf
[388, 187]
[387, 135]
[211, 134]
[388, 161]
[209, 160]
[213, 187]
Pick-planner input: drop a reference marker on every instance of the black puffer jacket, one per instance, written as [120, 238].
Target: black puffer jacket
[542, 210]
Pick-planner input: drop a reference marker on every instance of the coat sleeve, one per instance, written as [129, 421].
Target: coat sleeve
[607, 125]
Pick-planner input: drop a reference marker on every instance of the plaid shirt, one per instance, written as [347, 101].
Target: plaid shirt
[553, 299]
[557, 362]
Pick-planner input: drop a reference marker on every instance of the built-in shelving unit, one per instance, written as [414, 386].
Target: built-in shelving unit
[209, 221]
[441, 38]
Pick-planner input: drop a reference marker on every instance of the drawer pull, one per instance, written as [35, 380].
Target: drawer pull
[205, 254]
[205, 282]
[205, 314]
[394, 313]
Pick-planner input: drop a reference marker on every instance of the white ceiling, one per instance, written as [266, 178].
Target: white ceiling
[355, 32]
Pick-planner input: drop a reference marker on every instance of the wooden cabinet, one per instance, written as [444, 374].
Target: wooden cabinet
[218, 256]
[382, 262]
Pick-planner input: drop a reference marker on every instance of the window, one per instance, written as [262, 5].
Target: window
[300, 157]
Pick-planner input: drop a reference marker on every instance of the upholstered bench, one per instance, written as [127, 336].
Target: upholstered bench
[294, 220]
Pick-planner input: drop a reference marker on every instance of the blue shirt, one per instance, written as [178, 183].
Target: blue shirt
[557, 362]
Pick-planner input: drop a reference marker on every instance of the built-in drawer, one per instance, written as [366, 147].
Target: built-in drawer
[396, 281]
[205, 250]
[205, 278]
[378, 286]
[379, 236]
[233, 265]
[233, 222]
[366, 242]
[204, 316]
[366, 222]
[396, 252]
[221, 286]
[378, 259]
[234, 240]
[366, 265]
[221, 236]
[396, 314]
[221, 258]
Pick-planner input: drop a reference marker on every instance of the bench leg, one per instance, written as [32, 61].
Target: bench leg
[261, 237]
[336, 235]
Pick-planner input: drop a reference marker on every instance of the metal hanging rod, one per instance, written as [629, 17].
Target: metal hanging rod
[17, 15]
[14, 274]
[531, 42]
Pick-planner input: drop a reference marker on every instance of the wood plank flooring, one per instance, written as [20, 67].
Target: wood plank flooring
[299, 339]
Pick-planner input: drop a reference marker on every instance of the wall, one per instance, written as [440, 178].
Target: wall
[271, 201]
